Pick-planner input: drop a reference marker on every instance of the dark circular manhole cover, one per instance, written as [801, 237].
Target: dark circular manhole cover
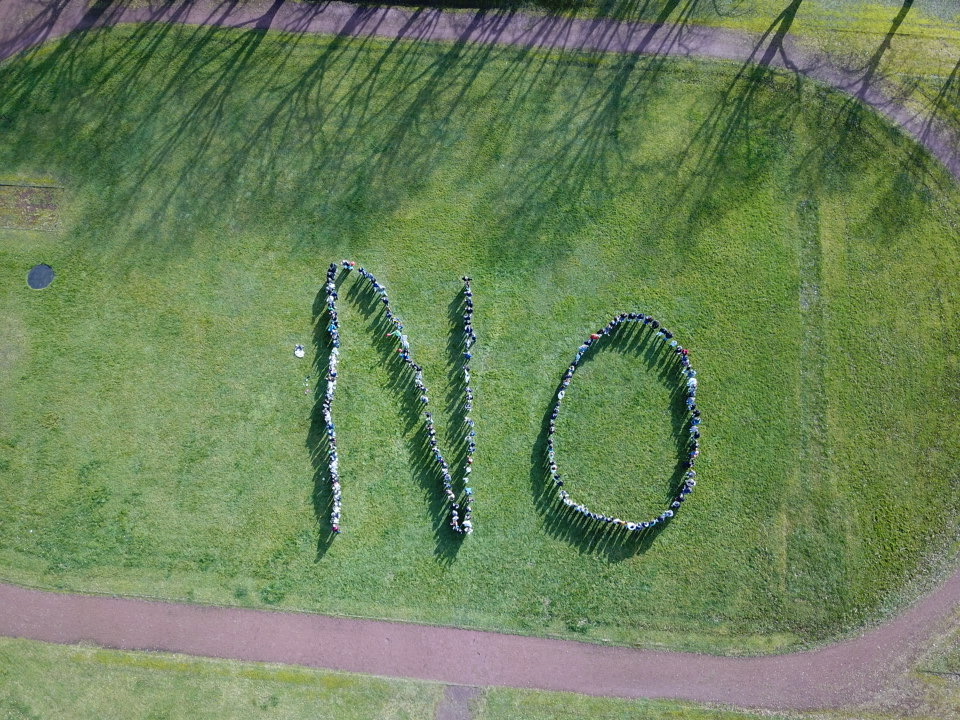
[40, 276]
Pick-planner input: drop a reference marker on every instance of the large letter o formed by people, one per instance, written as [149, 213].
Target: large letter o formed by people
[688, 377]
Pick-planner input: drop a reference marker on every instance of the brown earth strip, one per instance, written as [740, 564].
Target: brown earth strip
[29, 207]
[457, 703]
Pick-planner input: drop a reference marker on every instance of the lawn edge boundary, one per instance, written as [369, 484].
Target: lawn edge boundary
[773, 49]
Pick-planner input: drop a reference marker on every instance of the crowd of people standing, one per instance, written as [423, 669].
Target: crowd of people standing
[461, 508]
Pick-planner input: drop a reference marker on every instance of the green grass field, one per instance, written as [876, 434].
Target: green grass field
[91, 682]
[509, 704]
[155, 438]
[944, 657]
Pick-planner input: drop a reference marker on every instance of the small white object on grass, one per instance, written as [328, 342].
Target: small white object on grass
[299, 351]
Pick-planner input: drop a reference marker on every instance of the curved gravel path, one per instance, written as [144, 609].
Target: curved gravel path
[853, 672]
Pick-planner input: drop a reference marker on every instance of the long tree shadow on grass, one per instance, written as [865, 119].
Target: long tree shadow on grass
[745, 138]
[578, 156]
[408, 131]
[873, 64]
[410, 128]
[561, 521]
[741, 111]
[424, 467]
[944, 103]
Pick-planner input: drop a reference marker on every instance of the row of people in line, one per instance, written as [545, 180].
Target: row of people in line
[688, 377]
[461, 510]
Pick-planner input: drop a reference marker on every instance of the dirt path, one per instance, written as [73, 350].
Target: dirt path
[854, 672]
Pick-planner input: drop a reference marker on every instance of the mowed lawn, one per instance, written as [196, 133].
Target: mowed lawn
[155, 434]
[132, 685]
[91, 682]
